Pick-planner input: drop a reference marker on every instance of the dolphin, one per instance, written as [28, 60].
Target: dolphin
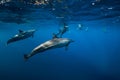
[21, 35]
[50, 44]
[63, 30]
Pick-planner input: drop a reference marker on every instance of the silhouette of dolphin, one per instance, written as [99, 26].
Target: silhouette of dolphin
[50, 44]
[21, 35]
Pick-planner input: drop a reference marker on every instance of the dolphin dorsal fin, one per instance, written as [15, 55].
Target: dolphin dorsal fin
[54, 36]
[20, 31]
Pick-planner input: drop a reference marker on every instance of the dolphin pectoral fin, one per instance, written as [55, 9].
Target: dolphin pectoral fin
[32, 36]
[20, 31]
[66, 48]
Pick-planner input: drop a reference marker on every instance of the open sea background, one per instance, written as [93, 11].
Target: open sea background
[95, 54]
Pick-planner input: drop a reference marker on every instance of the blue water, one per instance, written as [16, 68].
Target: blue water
[95, 54]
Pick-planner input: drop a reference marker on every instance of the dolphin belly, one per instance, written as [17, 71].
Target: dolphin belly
[17, 38]
[14, 39]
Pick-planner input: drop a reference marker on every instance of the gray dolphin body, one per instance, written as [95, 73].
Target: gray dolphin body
[22, 35]
[51, 44]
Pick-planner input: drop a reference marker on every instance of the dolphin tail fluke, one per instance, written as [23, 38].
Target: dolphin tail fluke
[7, 42]
[26, 57]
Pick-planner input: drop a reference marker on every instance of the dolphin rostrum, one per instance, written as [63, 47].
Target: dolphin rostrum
[50, 44]
[21, 35]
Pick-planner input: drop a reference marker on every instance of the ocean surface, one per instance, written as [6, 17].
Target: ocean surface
[94, 25]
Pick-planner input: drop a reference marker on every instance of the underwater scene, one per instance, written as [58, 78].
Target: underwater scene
[59, 39]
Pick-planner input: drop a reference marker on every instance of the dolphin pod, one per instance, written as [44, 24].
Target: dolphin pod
[55, 42]
[21, 35]
[50, 44]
